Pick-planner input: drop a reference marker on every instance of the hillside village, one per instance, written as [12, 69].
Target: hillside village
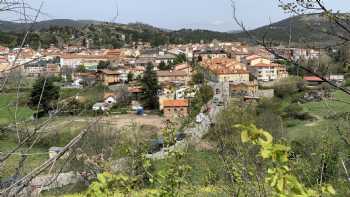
[237, 68]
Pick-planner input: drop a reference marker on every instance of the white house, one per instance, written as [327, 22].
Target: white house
[268, 72]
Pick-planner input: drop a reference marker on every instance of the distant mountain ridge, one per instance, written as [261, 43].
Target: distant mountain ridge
[298, 30]
[103, 34]
[304, 29]
[7, 26]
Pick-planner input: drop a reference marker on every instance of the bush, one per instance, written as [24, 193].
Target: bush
[288, 86]
[347, 83]
[292, 123]
[57, 138]
[293, 110]
[273, 105]
[304, 116]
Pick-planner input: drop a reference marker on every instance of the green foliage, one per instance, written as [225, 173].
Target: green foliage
[164, 66]
[202, 97]
[103, 65]
[151, 87]
[198, 77]
[206, 93]
[8, 39]
[179, 59]
[130, 76]
[347, 83]
[287, 87]
[140, 180]
[293, 110]
[8, 108]
[44, 94]
[171, 180]
[80, 69]
[279, 176]
[108, 184]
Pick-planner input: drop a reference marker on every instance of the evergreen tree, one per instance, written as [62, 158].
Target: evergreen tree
[163, 66]
[181, 58]
[44, 92]
[103, 65]
[130, 76]
[151, 87]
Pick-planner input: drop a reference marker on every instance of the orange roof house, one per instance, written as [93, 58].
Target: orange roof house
[228, 70]
[312, 79]
[175, 108]
[175, 103]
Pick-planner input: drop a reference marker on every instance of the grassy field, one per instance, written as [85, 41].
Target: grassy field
[58, 133]
[8, 109]
[36, 156]
[321, 110]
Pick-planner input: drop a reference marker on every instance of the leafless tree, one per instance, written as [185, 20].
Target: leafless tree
[300, 8]
[340, 31]
[29, 133]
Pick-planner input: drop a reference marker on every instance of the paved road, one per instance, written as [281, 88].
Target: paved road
[195, 133]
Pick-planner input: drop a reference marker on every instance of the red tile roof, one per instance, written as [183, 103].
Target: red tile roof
[312, 78]
[266, 65]
[224, 66]
[135, 90]
[175, 103]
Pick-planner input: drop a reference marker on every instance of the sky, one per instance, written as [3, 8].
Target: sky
[175, 14]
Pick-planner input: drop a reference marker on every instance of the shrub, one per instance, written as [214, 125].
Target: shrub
[293, 110]
[347, 83]
[57, 138]
[287, 87]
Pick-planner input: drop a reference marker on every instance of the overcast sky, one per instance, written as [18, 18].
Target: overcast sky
[172, 14]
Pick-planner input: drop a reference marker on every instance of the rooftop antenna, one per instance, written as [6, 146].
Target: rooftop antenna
[114, 19]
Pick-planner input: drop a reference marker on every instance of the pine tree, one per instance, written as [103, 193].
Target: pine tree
[163, 66]
[151, 87]
[44, 92]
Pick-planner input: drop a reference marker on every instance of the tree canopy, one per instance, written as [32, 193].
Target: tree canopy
[44, 94]
[151, 87]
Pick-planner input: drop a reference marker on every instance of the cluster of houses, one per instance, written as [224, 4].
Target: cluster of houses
[235, 68]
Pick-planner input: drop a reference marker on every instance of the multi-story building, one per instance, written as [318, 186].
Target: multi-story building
[264, 70]
[108, 77]
[227, 70]
[210, 54]
[268, 72]
[172, 76]
[34, 70]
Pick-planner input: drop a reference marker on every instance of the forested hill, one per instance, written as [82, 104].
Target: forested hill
[303, 29]
[101, 34]
[307, 29]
